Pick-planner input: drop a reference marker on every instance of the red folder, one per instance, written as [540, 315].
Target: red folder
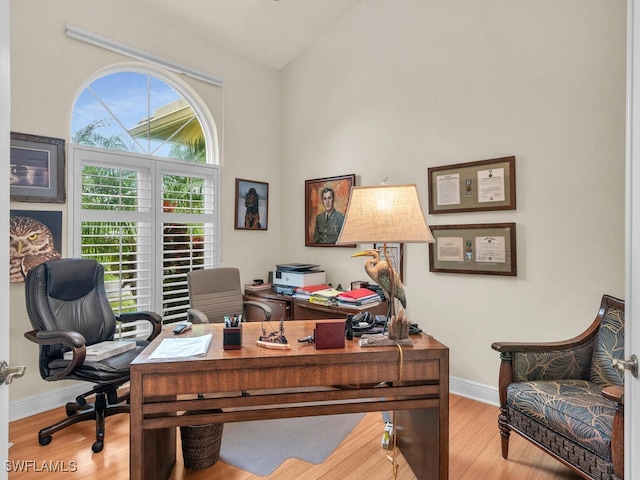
[357, 295]
[311, 288]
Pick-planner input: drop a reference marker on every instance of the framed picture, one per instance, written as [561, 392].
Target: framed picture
[326, 201]
[483, 249]
[252, 205]
[395, 255]
[36, 169]
[475, 186]
[34, 237]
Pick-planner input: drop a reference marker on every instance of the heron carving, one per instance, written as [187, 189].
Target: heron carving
[384, 275]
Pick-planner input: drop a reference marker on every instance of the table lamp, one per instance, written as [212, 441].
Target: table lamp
[386, 214]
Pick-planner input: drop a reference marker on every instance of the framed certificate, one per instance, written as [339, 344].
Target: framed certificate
[482, 249]
[475, 186]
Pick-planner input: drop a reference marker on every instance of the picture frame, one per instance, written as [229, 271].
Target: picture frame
[320, 230]
[478, 249]
[395, 255]
[37, 169]
[30, 226]
[484, 185]
[252, 205]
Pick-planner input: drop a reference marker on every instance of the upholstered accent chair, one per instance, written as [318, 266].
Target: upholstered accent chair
[69, 311]
[216, 292]
[567, 397]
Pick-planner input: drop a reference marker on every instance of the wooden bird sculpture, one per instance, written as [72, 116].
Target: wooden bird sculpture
[384, 275]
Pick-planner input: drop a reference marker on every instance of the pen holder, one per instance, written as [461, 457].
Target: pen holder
[232, 338]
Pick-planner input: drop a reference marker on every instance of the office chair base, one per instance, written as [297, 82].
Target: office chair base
[79, 413]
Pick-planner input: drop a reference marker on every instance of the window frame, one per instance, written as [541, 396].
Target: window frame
[158, 167]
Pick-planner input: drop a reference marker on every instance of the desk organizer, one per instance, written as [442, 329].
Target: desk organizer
[232, 338]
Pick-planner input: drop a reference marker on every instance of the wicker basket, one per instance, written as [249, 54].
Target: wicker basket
[201, 443]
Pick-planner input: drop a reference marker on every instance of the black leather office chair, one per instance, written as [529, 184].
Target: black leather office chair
[69, 310]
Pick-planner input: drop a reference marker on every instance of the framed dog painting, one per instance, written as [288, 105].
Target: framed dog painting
[252, 205]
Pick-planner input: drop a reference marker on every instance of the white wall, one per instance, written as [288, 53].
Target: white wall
[398, 87]
[48, 70]
[392, 89]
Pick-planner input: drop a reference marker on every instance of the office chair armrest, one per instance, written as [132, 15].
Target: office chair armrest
[262, 306]
[73, 340]
[153, 318]
[51, 337]
[196, 316]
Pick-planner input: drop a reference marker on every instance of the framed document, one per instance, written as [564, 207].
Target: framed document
[482, 249]
[475, 186]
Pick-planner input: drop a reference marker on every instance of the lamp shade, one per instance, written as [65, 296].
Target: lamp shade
[384, 214]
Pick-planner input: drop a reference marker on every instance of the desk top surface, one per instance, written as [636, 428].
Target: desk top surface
[294, 330]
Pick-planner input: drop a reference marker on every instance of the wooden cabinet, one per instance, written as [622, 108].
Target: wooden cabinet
[290, 308]
[280, 306]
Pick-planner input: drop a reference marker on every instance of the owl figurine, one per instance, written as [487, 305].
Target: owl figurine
[30, 244]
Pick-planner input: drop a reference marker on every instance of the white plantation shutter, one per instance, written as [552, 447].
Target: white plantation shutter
[188, 234]
[148, 220]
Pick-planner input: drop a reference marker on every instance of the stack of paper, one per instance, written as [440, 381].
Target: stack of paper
[359, 296]
[306, 292]
[257, 287]
[102, 350]
[179, 347]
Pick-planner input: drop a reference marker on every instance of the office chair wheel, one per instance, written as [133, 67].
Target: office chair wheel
[97, 447]
[45, 440]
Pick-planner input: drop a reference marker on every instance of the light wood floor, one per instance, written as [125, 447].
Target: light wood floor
[474, 453]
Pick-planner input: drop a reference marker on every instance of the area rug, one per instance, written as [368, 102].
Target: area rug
[261, 446]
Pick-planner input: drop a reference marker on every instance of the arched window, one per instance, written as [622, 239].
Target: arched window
[143, 193]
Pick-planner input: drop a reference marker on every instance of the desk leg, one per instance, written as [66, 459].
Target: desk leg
[423, 443]
[159, 453]
[152, 453]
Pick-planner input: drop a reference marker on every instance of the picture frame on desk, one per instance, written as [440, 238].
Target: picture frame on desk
[252, 205]
[326, 201]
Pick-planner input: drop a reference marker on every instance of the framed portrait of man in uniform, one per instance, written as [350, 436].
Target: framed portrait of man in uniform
[326, 201]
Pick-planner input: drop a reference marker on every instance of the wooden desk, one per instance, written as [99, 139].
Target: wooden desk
[162, 389]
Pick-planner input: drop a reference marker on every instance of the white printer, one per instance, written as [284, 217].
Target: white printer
[297, 275]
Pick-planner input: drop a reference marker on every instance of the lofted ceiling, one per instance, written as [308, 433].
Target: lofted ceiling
[271, 31]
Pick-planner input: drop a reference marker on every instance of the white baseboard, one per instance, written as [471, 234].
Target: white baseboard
[28, 406]
[42, 402]
[476, 391]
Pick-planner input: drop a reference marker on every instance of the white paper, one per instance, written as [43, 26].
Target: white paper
[491, 185]
[450, 249]
[490, 249]
[181, 347]
[448, 189]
